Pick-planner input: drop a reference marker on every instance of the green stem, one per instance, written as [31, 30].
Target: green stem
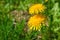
[50, 26]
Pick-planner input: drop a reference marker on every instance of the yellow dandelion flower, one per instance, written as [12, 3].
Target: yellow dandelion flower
[35, 9]
[35, 22]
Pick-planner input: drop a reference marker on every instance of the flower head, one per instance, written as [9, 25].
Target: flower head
[35, 22]
[35, 9]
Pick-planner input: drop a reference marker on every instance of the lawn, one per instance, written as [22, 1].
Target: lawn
[29, 20]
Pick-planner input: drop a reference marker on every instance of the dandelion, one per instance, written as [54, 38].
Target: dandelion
[35, 9]
[35, 22]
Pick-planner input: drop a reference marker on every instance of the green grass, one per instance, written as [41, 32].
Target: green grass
[11, 31]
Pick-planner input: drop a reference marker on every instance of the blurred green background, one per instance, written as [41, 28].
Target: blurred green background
[14, 15]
